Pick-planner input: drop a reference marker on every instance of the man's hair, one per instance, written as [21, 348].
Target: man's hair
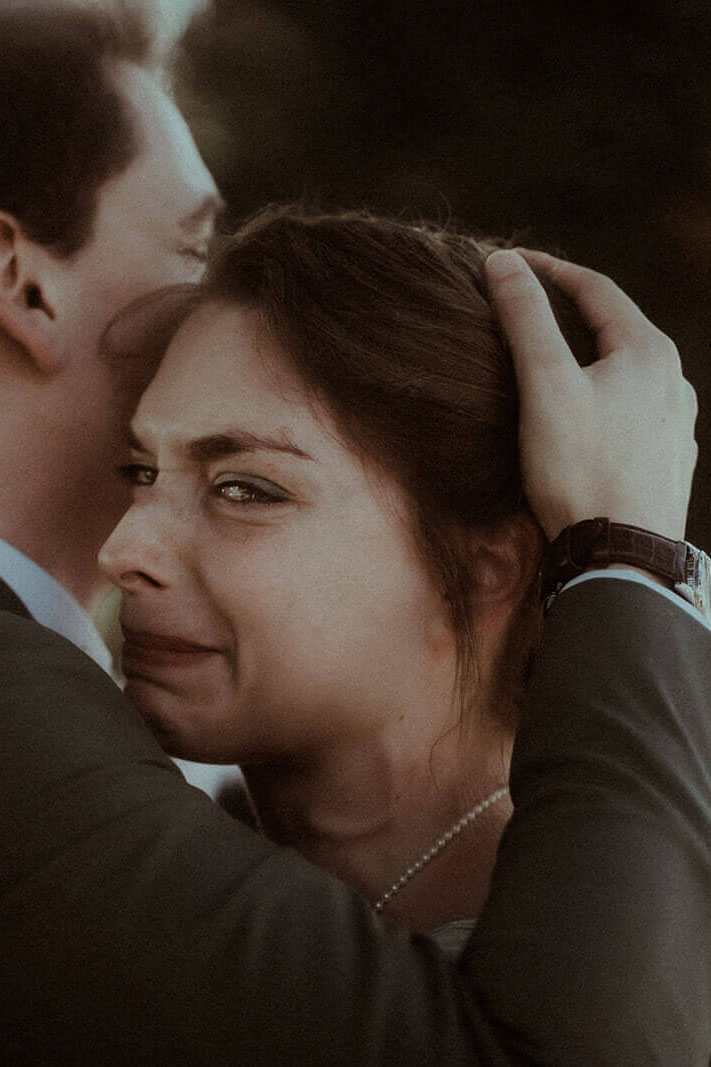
[64, 128]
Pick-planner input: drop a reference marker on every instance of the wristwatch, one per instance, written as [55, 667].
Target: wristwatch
[598, 542]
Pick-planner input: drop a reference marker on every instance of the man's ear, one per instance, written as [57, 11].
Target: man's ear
[506, 560]
[26, 314]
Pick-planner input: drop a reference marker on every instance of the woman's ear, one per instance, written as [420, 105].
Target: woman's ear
[26, 314]
[506, 560]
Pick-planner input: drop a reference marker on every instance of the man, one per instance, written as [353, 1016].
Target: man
[107, 199]
[138, 924]
[103, 197]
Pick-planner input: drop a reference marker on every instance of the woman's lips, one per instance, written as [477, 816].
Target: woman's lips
[142, 648]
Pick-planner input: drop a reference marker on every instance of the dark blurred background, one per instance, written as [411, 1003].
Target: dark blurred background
[580, 127]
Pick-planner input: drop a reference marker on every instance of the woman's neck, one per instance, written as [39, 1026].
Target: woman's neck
[366, 813]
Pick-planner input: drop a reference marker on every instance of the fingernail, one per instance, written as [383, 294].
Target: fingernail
[536, 252]
[504, 261]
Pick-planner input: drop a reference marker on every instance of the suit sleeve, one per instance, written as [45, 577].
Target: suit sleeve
[139, 924]
[602, 893]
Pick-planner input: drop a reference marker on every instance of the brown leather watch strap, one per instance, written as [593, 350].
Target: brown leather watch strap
[598, 542]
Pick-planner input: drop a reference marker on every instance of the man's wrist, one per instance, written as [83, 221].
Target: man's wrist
[598, 544]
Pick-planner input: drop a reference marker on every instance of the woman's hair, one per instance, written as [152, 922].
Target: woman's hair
[390, 325]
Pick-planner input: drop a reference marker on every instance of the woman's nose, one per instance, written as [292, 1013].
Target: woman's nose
[136, 554]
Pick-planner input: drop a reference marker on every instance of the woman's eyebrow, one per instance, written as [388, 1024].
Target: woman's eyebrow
[228, 443]
[133, 442]
[231, 442]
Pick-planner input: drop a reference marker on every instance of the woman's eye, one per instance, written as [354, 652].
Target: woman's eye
[138, 474]
[255, 491]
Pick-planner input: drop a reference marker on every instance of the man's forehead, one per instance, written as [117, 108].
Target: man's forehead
[167, 155]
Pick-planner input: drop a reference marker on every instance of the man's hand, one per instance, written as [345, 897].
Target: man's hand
[615, 438]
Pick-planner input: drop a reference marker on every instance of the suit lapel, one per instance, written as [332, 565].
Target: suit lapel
[10, 602]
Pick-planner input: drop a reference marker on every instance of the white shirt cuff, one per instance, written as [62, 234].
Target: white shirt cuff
[641, 579]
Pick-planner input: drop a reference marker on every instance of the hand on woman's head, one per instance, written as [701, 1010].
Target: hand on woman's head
[614, 439]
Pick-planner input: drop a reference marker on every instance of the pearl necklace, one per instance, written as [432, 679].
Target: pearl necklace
[439, 844]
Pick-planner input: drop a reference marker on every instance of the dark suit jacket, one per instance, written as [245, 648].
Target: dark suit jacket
[140, 924]
[10, 602]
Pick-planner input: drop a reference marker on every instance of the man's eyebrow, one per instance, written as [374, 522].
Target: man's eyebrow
[207, 210]
[230, 443]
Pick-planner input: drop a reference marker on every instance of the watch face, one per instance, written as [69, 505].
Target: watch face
[703, 577]
[699, 580]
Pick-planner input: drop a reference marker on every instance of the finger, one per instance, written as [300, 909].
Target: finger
[538, 348]
[691, 397]
[613, 317]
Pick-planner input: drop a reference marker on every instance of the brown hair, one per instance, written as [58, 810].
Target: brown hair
[390, 325]
[64, 129]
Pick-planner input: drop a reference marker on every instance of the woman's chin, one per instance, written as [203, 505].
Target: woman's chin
[172, 721]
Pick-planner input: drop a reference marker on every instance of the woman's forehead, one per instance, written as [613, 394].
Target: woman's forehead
[222, 376]
[221, 353]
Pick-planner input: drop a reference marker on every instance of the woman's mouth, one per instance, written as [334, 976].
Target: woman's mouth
[144, 648]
